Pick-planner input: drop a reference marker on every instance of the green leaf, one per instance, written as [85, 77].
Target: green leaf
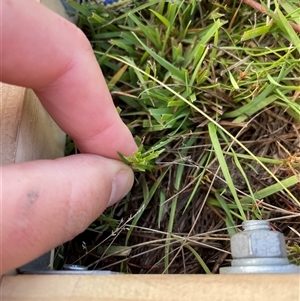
[256, 32]
[229, 219]
[284, 24]
[273, 189]
[219, 154]
[161, 18]
[175, 72]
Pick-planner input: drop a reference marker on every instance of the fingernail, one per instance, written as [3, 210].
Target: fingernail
[121, 185]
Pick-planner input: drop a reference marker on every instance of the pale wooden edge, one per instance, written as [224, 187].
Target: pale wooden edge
[11, 102]
[27, 131]
[39, 136]
[151, 287]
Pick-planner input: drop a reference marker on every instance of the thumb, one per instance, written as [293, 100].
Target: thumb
[48, 202]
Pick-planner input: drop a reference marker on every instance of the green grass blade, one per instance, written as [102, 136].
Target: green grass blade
[164, 20]
[219, 154]
[169, 67]
[256, 32]
[199, 259]
[272, 189]
[229, 219]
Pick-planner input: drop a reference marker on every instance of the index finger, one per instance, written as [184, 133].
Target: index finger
[43, 51]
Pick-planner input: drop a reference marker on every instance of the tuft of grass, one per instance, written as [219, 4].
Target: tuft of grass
[211, 92]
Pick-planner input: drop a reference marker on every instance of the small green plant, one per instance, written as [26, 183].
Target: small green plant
[142, 160]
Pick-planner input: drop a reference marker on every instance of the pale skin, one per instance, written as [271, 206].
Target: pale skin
[48, 202]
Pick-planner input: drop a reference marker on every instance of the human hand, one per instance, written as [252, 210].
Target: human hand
[48, 202]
